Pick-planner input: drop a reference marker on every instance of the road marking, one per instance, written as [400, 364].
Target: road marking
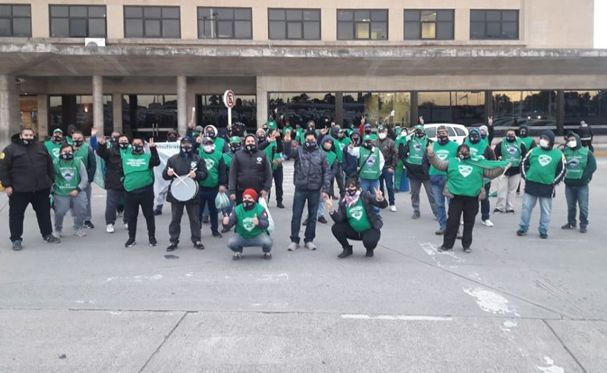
[396, 317]
[489, 301]
[550, 368]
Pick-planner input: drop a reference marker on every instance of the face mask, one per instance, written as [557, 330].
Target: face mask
[251, 148]
[474, 139]
[195, 133]
[26, 141]
[310, 145]
[210, 134]
[137, 149]
[420, 133]
[57, 139]
[523, 133]
[464, 155]
[351, 192]
[572, 144]
[172, 138]
[186, 149]
[261, 138]
[208, 148]
[443, 140]
[368, 145]
[67, 156]
[544, 143]
[123, 145]
[510, 138]
[78, 143]
[368, 131]
[235, 148]
[382, 135]
[248, 205]
[114, 139]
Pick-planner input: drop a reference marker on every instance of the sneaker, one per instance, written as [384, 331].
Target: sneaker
[172, 246]
[109, 228]
[369, 253]
[440, 231]
[153, 241]
[310, 246]
[521, 233]
[393, 208]
[217, 234]
[126, 226]
[17, 245]
[88, 224]
[280, 205]
[79, 232]
[158, 211]
[543, 235]
[583, 229]
[267, 256]
[443, 248]
[467, 250]
[225, 229]
[130, 242]
[198, 245]
[236, 256]
[58, 233]
[293, 246]
[568, 226]
[322, 220]
[49, 238]
[487, 223]
[345, 253]
[416, 215]
[499, 211]
[510, 211]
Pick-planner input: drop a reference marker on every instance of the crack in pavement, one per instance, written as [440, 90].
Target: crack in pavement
[558, 338]
[166, 338]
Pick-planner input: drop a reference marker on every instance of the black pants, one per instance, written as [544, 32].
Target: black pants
[207, 198]
[278, 178]
[485, 205]
[112, 205]
[132, 201]
[458, 205]
[339, 179]
[193, 210]
[17, 203]
[343, 232]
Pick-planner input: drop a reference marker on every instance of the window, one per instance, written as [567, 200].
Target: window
[299, 108]
[429, 24]
[363, 24]
[377, 106]
[531, 108]
[224, 23]
[494, 24]
[78, 110]
[589, 106]
[302, 24]
[15, 20]
[149, 115]
[77, 21]
[462, 107]
[151, 22]
[210, 110]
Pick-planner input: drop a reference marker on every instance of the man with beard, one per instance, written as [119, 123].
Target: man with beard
[53, 144]
[250, 169]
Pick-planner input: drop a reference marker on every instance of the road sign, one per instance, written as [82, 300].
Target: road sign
[228, 99]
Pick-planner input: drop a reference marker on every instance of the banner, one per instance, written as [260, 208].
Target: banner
[165, 151]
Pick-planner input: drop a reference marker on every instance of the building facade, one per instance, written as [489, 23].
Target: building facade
[140, 66]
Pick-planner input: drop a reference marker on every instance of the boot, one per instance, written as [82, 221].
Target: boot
[345, 253]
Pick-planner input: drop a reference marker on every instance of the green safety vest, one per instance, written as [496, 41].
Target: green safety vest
[53, 149]
[478, 149]
[370, 169]
[272, 154]
[511, 152]
[244, 221]
[137, 171]
[444, 153]
[417, 149]
[220, 143]
[83, 153]
[227, 159]
[212, 162]
[67, 176]
[577, 160]
[339, 150]
[464, 178]
[543, 165]
[527, 141]
[357, 217]
[331, 157]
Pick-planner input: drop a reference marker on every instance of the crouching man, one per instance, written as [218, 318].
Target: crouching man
[251, 221]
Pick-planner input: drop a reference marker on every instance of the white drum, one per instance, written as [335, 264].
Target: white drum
[184, 188]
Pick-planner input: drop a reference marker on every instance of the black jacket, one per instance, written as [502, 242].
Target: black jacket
[369, 201]
[311, 170]
[250, 170]
[26, 168]
[182, 166]
[113, 164]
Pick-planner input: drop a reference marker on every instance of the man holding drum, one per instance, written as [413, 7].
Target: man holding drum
[186, 170]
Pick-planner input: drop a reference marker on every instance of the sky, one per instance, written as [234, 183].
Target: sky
[600, 26]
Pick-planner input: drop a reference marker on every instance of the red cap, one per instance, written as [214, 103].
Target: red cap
[250, 192]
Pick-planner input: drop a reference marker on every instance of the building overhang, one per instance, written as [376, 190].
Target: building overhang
[53, 59]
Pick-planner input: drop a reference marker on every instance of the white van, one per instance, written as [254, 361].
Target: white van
[457, 132]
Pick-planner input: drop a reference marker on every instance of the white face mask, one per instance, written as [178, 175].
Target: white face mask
[544, 143]
[572, 144]
[208, 148]
[382, 135]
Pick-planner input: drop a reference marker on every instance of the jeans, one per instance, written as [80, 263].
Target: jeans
[237, 242]
[193, 210]
[506, 187]
[577, 195]
[62, 206]
[112, 201]
[17, 203]
[438, 183]
[529, 202]
[416, 186]
[485, 204]
[370, 186]
[343, 232]
[468, 206]
[321, 209]
[299, 199]
[388, 178]
[132, 201]
[207, 197]
[278, 176]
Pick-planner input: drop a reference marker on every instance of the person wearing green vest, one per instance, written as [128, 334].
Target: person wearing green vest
[83, 151]
[53, 144]
[328, 147]
[464, 187]
[138, 183]
[543, 168]
[413, 155]
[529, 142]
[68, 190]
[220, 143]
[444, 149]
[479, 147]
[370, 163]
[401, 139]
[214, 183]
[251, 222]
[513, 150]
[368, 131]
[581, 164]
[271, 144]
[387, 146]
[356, 219]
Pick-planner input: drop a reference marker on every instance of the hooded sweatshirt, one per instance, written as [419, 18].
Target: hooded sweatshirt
[580, 164]
[543, 168]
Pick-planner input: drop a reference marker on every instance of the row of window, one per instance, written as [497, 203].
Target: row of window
[236, 23]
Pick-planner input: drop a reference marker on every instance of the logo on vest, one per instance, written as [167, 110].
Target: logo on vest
[371, 160]
[573, 163]
[417, 146]
[357, 212]
[442, 154]
[544, 160]
[210, 163]
[464, 170]
[193, 165]
[248, 224]
[258, 160]
[136, 162]
[68, 175]
[512, 150]
[56, 152]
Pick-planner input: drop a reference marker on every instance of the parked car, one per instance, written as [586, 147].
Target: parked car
[457, 132]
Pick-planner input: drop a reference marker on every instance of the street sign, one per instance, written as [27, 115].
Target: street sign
[229, 101]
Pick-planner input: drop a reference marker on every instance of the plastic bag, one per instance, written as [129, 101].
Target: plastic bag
[99, 178]
[264, 204]
[222, 201]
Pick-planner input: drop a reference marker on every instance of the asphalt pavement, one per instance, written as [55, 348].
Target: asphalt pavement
[515, 304]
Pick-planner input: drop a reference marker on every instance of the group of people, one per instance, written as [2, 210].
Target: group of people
[232, 174]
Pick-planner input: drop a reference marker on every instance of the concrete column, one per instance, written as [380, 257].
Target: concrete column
[413, 117]
[489, 109]
[182, 105]
[98, 103]
[117, 111]
[262, 102]
[42, 116]
[339, 109]
[560, 112]
[10, 120]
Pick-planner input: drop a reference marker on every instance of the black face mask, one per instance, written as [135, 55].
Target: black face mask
[123, 145]
[114, 139]
[310, 145]
[474, 139]
[443, 140]
[210, 134]
[26, 142]
[351, 192]
[261, 138]
[67, 156]
[368, 131]
[251, 148]
[510, 138]
[464, 155]
[186, 149]
[523, 133]
[420, 133]
[58, 139]
[368, 145]
[78, 143]
[172, 138]
[137, 149]
[235, 148]
[248, 205]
